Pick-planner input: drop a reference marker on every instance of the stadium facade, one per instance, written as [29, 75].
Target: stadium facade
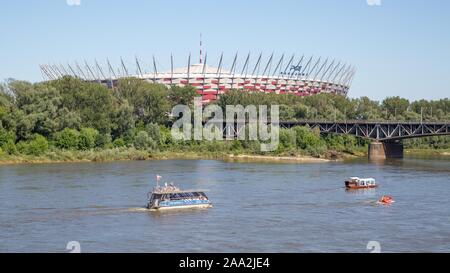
[302, 76]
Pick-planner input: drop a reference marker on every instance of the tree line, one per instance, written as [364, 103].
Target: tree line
[70, 114]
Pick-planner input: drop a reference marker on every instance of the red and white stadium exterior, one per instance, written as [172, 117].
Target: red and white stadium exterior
[301, 77]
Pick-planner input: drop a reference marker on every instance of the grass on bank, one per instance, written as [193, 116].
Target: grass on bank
[131, 153]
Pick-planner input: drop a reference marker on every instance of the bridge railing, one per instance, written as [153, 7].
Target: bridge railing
[359, 121]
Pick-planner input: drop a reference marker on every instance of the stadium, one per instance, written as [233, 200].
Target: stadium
[301, 76]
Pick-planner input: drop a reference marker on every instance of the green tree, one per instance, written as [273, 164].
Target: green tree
[286, 113]
[143, 141]
[123, 118]
[36, 146]
[104, 141]
[310, 141]
[87, 138]
[119, 142]
[92, 102]
[395, 107]
[150, 101]
[67, 139]
[154, 132]
[182, 95]
[287, 139]
[8, 141]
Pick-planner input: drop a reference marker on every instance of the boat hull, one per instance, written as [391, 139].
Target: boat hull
[355, 186]
[360, 187]
[192, 206]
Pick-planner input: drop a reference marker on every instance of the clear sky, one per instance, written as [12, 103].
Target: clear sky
[400, 47]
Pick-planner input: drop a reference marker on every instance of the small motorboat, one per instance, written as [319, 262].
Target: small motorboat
[360, 183]
[171, 197]
[386, 200]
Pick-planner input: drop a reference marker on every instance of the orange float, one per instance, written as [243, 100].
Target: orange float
[386, 200]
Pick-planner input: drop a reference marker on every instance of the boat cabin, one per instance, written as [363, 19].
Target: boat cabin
[170, 196]
[360, 183]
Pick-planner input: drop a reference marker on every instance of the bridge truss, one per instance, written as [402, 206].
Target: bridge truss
[380, 131]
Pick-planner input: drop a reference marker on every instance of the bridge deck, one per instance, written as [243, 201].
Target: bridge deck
[376, 130]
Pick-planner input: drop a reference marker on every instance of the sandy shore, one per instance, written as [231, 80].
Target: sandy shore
[304, 159]
[165, 156]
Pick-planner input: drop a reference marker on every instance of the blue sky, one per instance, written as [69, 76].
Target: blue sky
[401, 47]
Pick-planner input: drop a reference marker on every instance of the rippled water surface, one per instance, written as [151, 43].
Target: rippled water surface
[258, 207]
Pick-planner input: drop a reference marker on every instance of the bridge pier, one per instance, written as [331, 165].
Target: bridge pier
[385, 150]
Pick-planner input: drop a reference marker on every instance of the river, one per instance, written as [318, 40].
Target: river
[257, 207]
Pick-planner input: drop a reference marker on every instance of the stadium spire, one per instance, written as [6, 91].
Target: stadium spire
[201, 57]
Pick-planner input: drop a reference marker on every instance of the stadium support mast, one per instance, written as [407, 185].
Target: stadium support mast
[257, 65]
[349, 76]
[155, 71]
[346, 71]
[81, 71]
[100, 70]
[219, 72]
[233, 66]
[171, 68]
[111, 73]
[57, 72]
[245, 67]
[88, 77]
[314, 67]
[44, 75]
[220, 64]
[204, 66]
[204, 72]
[351, 80]
[56, 69]
[111, 70]
[326, 71]
[124, 67]
[298, 66]
[90, 70]
[233, 70]
[201, 57]
[318, 71]
[138, 67]
[63, 69]
[332, 71]
[289, 63]
[278, 65]
[46, 72]
[189, 68]
[267, 66]
[73, 71]
[338, 72]
[302, 73]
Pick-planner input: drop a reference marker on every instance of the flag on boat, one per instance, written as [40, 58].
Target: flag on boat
[158, 177]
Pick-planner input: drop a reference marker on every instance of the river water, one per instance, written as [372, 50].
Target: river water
[258, 207]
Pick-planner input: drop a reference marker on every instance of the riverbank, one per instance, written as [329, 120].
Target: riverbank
[124, 154]
[261, 158]
[440, 152]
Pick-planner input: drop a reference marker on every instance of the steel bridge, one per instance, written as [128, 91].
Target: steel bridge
[386, 136]
[378, 131]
